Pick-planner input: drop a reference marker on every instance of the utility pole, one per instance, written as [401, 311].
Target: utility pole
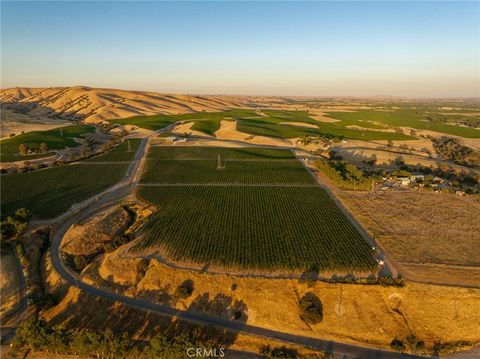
[219, 164]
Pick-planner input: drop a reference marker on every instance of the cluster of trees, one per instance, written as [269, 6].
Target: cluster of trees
[473, 122]
[383, 280]
[346, 176]
[452, 149]
[415, 344]
[325, 139]
[24, 149]
[38, 335]
[13, 226]
[279, 352]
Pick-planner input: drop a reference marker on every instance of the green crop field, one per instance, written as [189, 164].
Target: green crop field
[124, 152]
[262, 211]
[49, 192]
[55, 139]
[211, 119]
[266, 127]
[270, 124]
[415, 118]
[203, 153]
[235, 172]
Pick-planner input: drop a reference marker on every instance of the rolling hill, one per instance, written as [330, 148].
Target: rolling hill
[93, 105]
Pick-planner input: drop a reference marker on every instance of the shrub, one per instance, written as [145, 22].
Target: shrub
[283, 352]
[142, 268]
[397, 344]
[311, 308]
[80, 263]
[185, 289]
[21, 254]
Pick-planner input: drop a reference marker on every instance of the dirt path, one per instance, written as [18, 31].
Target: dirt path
[14, 318]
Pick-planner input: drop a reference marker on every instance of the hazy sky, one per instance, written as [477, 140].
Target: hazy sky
[427, 49]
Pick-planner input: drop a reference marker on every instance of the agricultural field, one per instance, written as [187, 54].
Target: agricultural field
[267, 123]
[253, 214]
[206, 122]
[235, 172]
[211, 153]
[55, 139]
[50, 192]
[124, 152]
[414, 118]
[366, 125]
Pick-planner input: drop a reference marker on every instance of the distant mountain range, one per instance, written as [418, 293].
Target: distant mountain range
[93, 105]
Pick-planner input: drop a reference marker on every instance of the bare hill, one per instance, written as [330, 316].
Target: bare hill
[96, 105]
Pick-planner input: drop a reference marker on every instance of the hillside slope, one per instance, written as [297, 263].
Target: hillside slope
[95, 105]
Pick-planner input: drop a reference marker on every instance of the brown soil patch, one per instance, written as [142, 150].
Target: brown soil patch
[321, 116]
[298, 124]
[228, 131]
[187, 128]
[90, 237]
[355, 127]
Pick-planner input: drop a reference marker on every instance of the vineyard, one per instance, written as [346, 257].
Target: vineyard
[50, 192]
[235, 172]
[254, 214]
[162, 152]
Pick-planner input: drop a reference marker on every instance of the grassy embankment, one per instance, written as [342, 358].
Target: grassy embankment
[55, 139]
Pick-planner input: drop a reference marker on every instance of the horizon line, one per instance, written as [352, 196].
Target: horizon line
[380, 96]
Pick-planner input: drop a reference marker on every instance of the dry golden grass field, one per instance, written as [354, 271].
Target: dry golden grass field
[352, 313]
[433, 237]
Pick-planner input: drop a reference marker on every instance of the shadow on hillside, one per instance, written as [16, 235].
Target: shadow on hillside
[35, 109]
[86, 311]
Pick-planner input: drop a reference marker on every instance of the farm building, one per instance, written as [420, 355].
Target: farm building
[170, 139]
[403, 181]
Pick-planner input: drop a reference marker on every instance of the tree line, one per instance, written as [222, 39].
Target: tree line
[38, 335]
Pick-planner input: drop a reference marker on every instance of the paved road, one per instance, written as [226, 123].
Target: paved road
[388, 268]
[341, 350]
[123, 189]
